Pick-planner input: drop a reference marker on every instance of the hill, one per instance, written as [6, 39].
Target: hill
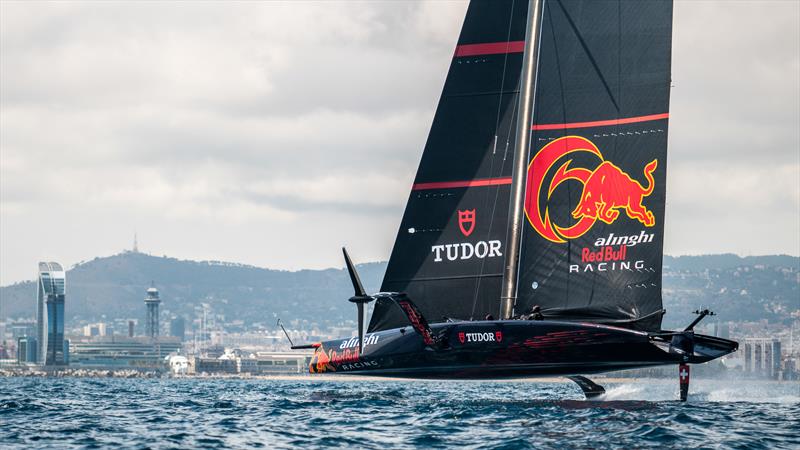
[749, 288]
[115, 286]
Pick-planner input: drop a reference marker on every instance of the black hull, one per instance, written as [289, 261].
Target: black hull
[510, 349]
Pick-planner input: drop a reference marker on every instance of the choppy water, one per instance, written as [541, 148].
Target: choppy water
[316, 413]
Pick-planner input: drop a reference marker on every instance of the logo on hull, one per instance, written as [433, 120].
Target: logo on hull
[369, 339]
[607, 190]
[486, 336]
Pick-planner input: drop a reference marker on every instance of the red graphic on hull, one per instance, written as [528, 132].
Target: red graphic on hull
[416, 322]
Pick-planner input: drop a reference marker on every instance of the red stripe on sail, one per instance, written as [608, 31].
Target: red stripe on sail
[460, 184]
[599, 123]
[490, 48]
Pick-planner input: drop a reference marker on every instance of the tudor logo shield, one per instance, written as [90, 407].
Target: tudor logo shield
[466, 221]
[498, 336]
[462, 337]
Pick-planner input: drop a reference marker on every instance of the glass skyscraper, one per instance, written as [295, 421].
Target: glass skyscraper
[51, 291]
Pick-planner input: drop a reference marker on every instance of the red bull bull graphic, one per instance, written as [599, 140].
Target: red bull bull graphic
[607, 190]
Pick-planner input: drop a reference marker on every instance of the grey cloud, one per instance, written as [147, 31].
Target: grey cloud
[269, 133]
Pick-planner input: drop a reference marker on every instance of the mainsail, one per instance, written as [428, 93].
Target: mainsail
[448, 255]
[595, 187]
[594, 192]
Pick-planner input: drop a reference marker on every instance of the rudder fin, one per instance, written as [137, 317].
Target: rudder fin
[590, 389]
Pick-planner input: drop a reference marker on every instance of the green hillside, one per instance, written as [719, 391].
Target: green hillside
[114, 286]
[750, 288]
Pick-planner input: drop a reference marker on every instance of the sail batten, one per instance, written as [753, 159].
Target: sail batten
[489, 48]
[599, 123]
[460, 184]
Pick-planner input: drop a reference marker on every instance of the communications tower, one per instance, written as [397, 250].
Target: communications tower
[151, 322]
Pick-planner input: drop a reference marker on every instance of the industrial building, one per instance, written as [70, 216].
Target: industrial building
[123, 353]
[260, 363]
[275, 363]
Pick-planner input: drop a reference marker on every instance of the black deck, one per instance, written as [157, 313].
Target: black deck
[509, 349]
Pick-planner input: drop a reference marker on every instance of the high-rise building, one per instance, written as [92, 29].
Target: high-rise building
[66, 351]
[177, 328]
[131, 324]
[27, 347]
[748, 357]
[152, 301]
[776, 358]
[725, 330]
[766, 369]
[757, 358]
[51, 291]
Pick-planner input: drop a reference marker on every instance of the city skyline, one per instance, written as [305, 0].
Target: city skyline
[238, 139]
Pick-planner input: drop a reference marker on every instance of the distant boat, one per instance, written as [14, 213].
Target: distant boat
[532, 241]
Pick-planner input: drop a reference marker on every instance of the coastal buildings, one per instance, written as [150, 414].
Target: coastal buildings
[51, 293]
[177, 328]
[96, 329]
[100, 350]
[763, 357]
[259, 363]
[274, 363]
[27, 349]
[123, 352]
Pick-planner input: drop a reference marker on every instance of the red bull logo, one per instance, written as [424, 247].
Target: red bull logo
[607, 190]
[328, 360]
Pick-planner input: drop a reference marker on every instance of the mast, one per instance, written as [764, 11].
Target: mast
[515, 222]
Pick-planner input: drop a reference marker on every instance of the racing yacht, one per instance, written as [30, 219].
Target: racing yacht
[532, 240]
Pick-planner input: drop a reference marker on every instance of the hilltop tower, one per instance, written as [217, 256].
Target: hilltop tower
[152, 301]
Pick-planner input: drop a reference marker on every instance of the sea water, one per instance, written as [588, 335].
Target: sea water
[307, 412]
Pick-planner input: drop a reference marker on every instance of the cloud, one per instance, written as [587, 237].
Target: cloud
[270, 133]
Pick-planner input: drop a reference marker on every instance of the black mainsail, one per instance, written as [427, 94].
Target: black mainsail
[595, 188]
[592, 235]
[448, 255]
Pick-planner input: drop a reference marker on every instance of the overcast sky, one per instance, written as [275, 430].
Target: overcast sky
[272, 133]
